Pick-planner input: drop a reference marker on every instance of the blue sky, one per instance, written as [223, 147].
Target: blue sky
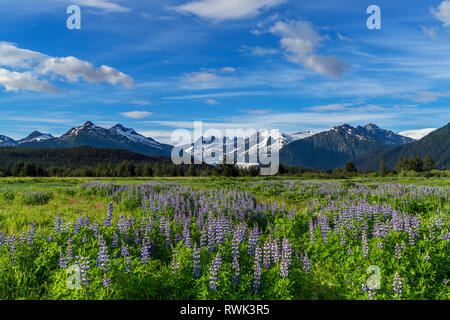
[157, 66]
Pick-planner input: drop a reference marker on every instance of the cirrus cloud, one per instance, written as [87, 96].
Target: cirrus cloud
[227, 9]
[136, 114]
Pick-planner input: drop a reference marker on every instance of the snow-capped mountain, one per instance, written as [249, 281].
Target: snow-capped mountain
[244, 150]
[303, 134]
[136, 137]
[7, 142]
[117, 137]
[36, 136]
[417, 134]
[384, 136]
[332, 148]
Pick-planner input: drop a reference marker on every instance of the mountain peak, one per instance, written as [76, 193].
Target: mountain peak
[88, 124]
[371, 126]
[7, 141]
[36, 136]
[120, 126]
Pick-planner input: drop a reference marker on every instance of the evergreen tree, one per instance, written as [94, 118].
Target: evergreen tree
[383, 170]
[428, 164]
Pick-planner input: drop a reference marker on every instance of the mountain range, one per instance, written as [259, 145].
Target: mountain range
[436, 144]
[117, 137]
[324, 150]
[245, 149]
[333, 148]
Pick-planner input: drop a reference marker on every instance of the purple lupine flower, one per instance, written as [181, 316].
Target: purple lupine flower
[115, 240]
[431, 233]
[94, 228]
[84, 268]
[398, 252]
[12, 250]
[187, 237]
[267, 254]
[136, 236]
[257, 270]
[235, 263]
[62, 260]
[196, 264]
[380, 244]
[235, 266]
[211, 234]
[175, 262]
[69, 253]
[106, 281]
[50, 238]
[31, 234]
[275, 251]
[365, 246]
[397, 286]
[145, 250]
[57, 225]
[411, 240]
[285, 258]
[125, 253]
[213, 269]
[84, 240]
[203, 237]
[427, 257]
[438, 223]
[102, 256]
[107, 222]
[306, 264]
[342, 237]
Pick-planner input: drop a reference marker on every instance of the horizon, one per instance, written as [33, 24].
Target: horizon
[276, 64]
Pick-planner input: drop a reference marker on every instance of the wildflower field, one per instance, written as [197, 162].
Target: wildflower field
[225, 239]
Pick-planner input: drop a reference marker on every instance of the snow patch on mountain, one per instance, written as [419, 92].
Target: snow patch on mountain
[7, 141]
[134, 136]
[417, 134]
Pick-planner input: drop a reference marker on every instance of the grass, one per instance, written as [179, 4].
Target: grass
[15, 215]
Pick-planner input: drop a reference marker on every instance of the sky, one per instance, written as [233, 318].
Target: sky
[157, 66]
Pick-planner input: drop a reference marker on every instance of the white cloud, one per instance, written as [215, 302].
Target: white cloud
[35, 63]
[218, 95]
[227, 9]
[259, 51]
[228, 69]
[105, 5]
[343, 38]
[259, 111]
[136, 114]
[427, 96]
[140, 102]
[330, 107]
[196, 77]
[15, 81]
[429, 31]
[14, 57]
[300, 40]
[211, 102]
[442, 12]
[74, 69]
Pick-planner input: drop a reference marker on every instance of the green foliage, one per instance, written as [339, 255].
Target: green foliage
[334, 273]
